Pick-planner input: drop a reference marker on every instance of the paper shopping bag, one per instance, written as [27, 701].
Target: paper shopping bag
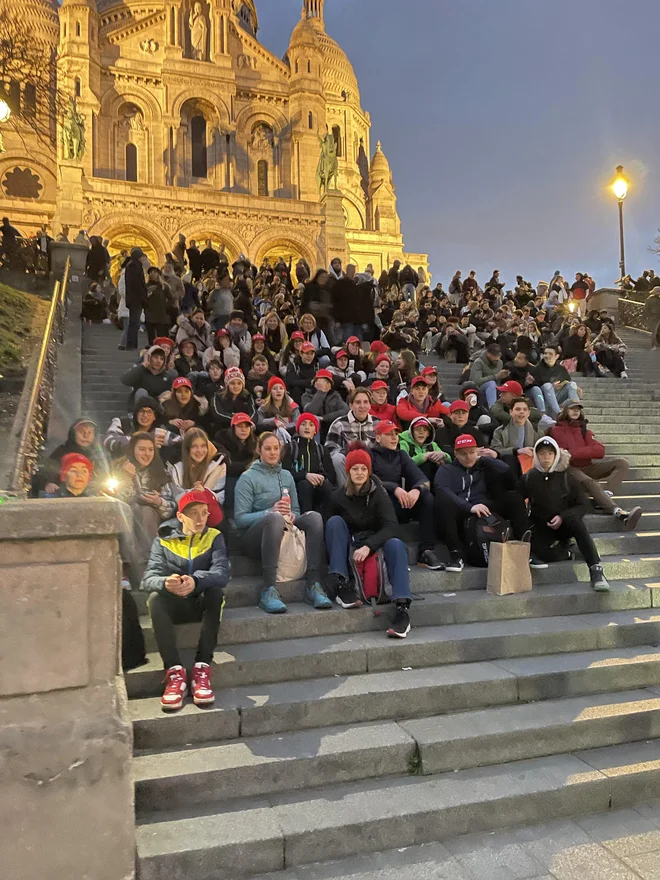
[292, 563]
[508, 568]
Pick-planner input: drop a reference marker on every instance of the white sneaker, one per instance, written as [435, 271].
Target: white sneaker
[623, 375]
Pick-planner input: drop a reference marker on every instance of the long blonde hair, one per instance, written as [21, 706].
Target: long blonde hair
[193, 472]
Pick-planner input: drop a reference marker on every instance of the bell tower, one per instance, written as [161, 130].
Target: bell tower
[313, 9]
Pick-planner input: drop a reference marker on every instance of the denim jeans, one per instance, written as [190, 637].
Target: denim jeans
[339, 542]
[555, 397]
[489, 390]
[536, 396]
[133, 327]
[348, 330]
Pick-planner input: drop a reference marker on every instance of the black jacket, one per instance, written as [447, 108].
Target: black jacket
[302, 457]
[136, 286]
[469, 487]
[446, 435]
[553, 494]
[370, 517]
[222, 409]
[299, 378]
[543, 373]
[153, 383]
[239, 455]
[395, 468]
[325, 406]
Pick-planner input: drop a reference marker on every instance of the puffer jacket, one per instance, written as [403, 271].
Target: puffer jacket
[258, 489]
[579, 441]
[370, 516]
[202, 557]
[201, 336]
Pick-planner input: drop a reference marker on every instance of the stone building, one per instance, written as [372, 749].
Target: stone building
[180, 121]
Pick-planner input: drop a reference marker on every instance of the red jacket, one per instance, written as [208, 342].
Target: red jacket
[385, 413]
[583, 448]
[407, 411]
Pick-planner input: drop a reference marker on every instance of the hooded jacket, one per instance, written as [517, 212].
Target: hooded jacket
[258, 489]
[50, 473]
[579, 441]
[118, 435]
[201, 336]
[154, 384]
[202, 557]
[467, 487]
[395, 469]
[370, 516]
[415, 450]
[555, 493]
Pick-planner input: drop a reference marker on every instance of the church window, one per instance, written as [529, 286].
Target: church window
[262, 178]
[336, 133]
[78, 86]
[172, 26]
[198, 138]
[66, 30]
[297, 67]
[78, 29]
[131, 162]
[309, 67]
[30, 99]
[310, 120]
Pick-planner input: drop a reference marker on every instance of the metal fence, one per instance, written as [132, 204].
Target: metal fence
[42, 379]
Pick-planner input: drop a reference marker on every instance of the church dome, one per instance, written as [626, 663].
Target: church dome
[380, 167]
[42, 16]
[338, 74]
[303, 35]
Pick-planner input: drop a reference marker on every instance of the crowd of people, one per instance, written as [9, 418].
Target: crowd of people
[274, 398]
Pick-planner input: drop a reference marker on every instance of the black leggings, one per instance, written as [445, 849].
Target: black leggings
[544, 537]
[166, 609]
[450, 518]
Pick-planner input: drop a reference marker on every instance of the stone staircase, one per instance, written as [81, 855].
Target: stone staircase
[328, 741]
[103, 395]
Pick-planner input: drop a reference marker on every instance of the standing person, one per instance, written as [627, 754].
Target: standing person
[159, 306]
[187, 572]
[221, 302]
[362, 522]
[357, 424]
[194, 261]
[210, 258]
[557, 509]
[317, 301]
[136, 297]
[580, 289]
[96, 262]
[265, 495]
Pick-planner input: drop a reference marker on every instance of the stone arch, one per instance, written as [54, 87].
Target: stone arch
[285, 243]
[354, 213]
[251, 116]
[199, 230]
[212, 103]
[143, 100]
[122, 230]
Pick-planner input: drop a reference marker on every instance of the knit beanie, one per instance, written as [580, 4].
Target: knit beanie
[358, 454]
[307, 417]
[67, 461]
[275, 380]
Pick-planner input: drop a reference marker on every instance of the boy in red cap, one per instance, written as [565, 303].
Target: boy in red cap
[301, 371]
[474, 485]
[419, 403]
[455, 425]
[380, 407]
[75, 474]
[323, 401]
[187, 572]
[309, 464]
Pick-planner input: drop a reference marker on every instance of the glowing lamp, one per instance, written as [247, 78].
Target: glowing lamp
[620, 185]
[5, 111]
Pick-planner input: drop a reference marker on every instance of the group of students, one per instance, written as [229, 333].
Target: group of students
[253, 424]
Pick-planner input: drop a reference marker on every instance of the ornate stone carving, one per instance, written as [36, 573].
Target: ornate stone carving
[262, 136]
[199, 28]
[22, 183]
[246, 62]
[149, 46]
[131, 118]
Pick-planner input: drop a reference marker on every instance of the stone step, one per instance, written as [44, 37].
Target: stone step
[641, 487]
[287, 830]
[246, 624]
[596, 421]
[348, 654]
[256, 710]
[646, 502]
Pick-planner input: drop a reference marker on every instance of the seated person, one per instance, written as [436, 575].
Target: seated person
[186, 574]
[430, 375]
[589, 464]
[258, 378]
[345, 374]
[150, 378]
[304, 458]
[419, 403]
[266, 494]
[456, 425]
[501, 409]
[181, 409]
[381, 373]
[356, 425]
[555, 381]
[487, 370]
[188, 360]
[147, 416]
[239, 442]
[476, 485]
[557, 508]
[94, 304]
[516, 438]
[362, 521]
[380, 408]
[201, 466]
[323, 401]
[211, 381]
[75, 475]
[408, 489]
[223, 349]
[480, 416]
[278, 413]
[231, 400]
[520, 370]
[301, 371]
[418, 442]
[82, 439]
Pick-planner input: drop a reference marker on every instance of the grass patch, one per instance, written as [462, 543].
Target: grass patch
[22, 316]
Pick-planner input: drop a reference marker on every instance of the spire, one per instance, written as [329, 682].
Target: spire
[314, 9]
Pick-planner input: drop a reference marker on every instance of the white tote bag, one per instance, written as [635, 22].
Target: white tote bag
[292, 563]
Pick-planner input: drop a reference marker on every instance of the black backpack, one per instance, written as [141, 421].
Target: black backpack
[480, 532]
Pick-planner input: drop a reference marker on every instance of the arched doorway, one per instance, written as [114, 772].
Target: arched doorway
[285, 250]
[125, 240]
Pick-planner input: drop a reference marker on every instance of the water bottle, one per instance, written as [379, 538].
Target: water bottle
[286, 497]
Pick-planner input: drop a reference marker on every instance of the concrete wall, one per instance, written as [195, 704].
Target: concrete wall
[66, 802]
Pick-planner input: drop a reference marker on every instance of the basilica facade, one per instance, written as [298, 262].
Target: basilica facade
[180, 121]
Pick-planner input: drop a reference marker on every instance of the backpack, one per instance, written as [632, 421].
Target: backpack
[480, 532]
[370, 578]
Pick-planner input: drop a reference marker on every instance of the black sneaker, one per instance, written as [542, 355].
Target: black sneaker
[629, 518]
[428, 559]
[401, 624]
[455, 562]
[345, 595]
[535, 562]
[598, 580]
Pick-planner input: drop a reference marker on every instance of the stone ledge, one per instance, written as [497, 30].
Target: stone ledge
[53, 518]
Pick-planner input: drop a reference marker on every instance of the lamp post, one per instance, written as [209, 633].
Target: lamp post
[5, 113]
[620, 190]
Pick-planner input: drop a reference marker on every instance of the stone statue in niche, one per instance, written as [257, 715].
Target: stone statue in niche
[73, 132]
[262, 137]
[132, 118]
[199, 28]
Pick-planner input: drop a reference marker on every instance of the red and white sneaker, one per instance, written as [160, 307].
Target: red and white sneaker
[176, 687]
[202, 693]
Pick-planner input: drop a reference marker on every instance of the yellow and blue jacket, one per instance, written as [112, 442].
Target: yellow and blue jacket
[203, 557]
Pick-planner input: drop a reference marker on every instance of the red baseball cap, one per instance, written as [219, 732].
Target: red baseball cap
[204, 497]
[341, 354]
[324, 374]
[297, 334]
[513, 387]
[222, 332]
[385, 427]
[378, 384]
[307, 346]
[164, 341]
[352, 339]
[465, 441]
[428, 371]
[239, 418]
[417, 381]
[181, 382]
[458, 405]
[257, 336]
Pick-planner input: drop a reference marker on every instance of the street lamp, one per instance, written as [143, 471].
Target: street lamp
[5, 111]
[620, 190]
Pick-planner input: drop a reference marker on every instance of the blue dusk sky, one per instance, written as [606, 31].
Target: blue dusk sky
[503, 121]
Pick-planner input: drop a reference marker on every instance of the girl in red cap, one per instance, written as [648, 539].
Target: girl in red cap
[239, 443]
[278, 412]
[182, 410]
[291, 350]
[324, 401]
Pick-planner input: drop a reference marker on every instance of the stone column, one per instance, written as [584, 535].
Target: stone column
[66, 809]
[334, 228]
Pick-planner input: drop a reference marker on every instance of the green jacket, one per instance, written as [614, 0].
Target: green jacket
[408, 444]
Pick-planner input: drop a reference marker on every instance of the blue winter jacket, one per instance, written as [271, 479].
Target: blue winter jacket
[467, 487]
[258, 489]
[203, 557]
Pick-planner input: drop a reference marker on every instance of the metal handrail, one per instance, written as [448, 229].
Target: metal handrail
[38, 408]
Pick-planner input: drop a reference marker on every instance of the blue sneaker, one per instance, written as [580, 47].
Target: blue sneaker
[271, 601]
[316, 596]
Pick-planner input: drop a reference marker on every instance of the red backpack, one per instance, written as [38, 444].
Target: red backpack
[371, 584]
